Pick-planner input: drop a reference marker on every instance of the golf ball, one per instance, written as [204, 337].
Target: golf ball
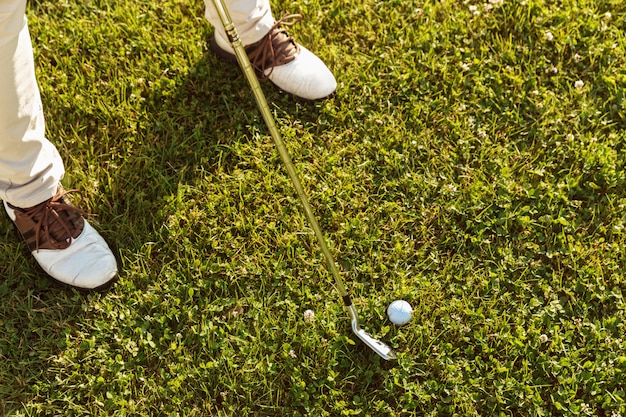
[399, 312]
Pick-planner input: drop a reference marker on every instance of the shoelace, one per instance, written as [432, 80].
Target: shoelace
[276, 48]
[63, 228]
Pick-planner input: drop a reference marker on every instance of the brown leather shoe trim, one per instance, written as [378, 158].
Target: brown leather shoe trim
[276, 48]
[50, 225]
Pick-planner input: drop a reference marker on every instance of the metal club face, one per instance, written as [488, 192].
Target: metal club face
[382, 349]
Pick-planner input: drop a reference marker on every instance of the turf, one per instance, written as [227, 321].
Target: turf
[471, 162]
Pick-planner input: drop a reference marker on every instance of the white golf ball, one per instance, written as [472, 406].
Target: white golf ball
[399, 312]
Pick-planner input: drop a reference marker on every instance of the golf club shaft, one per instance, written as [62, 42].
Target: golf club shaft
[244, 63]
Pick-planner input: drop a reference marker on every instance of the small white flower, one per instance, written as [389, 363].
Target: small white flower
[579, 84]
[292, 353]
[309, 316]
[473, 8]
[465, 66]
[535, 92]
[552, 70]
[548, 35]
[543, 338]
[570, 137]
[577, 58]
[607, 16]
[482, 134]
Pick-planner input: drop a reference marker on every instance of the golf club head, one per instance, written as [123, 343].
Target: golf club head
[381, 348]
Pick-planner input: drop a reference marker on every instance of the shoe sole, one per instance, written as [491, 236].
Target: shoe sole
[228, 57]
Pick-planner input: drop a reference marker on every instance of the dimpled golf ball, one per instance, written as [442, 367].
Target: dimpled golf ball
[399, 312]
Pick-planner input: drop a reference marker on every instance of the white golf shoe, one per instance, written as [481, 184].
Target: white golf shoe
[64, 244]
[290, 66]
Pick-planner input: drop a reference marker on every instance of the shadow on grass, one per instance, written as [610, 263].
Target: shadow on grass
[182, 132]
[187, 133]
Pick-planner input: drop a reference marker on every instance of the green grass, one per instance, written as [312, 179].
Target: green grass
[460, 166]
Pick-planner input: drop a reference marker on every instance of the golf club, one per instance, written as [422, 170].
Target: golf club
[377, 346]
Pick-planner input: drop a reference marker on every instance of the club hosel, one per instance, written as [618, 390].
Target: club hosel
[354, 318]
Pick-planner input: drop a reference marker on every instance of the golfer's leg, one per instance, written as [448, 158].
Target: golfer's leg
[253, 19]
[63, 243]
[30, 166]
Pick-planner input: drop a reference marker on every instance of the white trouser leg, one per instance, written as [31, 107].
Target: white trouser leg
[30, 166]
[252, 18]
